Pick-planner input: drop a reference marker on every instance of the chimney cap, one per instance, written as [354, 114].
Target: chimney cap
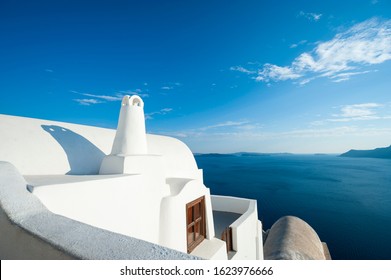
[133, 100]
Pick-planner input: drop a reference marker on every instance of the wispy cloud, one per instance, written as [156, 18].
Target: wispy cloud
[346, 75]
[223, 128]
[358, 112]
[310, 16]
[355, 112]
[49, 70]
[242, 70]
[364, 44]
[87, 102]
[254, 137]
[164, 111]
[333, 132]
[257, 133]
[302, 42]
[277, 73]
[102, 98]
[137, 91]
[171, 86]
[224, 124]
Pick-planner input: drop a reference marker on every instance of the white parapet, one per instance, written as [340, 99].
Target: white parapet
[246, 230]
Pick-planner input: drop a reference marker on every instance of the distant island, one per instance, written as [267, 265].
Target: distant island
[239, 154]
[375, 153]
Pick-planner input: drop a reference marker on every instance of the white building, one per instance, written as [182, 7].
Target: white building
[70, 191]
[124, 182]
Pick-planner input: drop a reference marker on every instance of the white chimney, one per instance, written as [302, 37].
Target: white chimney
[130, 138]
[129, 154]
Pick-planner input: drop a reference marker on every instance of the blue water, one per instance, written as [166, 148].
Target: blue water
[346, 200]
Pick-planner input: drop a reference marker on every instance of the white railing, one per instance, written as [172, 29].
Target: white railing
[246, 230]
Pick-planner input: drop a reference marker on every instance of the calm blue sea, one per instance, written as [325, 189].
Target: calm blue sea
[346, 200]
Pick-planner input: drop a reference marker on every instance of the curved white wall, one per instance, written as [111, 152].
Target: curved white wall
[45, 147]
[178, 158]
[39, 147]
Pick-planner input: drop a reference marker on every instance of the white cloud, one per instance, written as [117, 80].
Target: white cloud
[346, 76]
[178, 134]
[276, 73]
[49, 70]
[355, 112]
[254, 137]
[359, 110]
[366, 43]
[302, 42]
[137, 91]
[87, 102]
[164, 111]
[104, 97]
[305, 81]
[171, 86]
[242, 70]
[257, 133]
[317, 133]
[224, 124]
[261, 134]
[97, 98]
[310, 16]
[224, 128]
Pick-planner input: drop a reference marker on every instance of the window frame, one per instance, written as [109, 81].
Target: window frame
[195, 224]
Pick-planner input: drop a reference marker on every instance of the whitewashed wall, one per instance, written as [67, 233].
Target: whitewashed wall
[41, 147]
[247, 230]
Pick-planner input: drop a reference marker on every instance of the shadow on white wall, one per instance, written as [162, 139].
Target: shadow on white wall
[83, 156]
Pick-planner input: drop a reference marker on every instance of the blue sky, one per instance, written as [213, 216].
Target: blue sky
[222, 76]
